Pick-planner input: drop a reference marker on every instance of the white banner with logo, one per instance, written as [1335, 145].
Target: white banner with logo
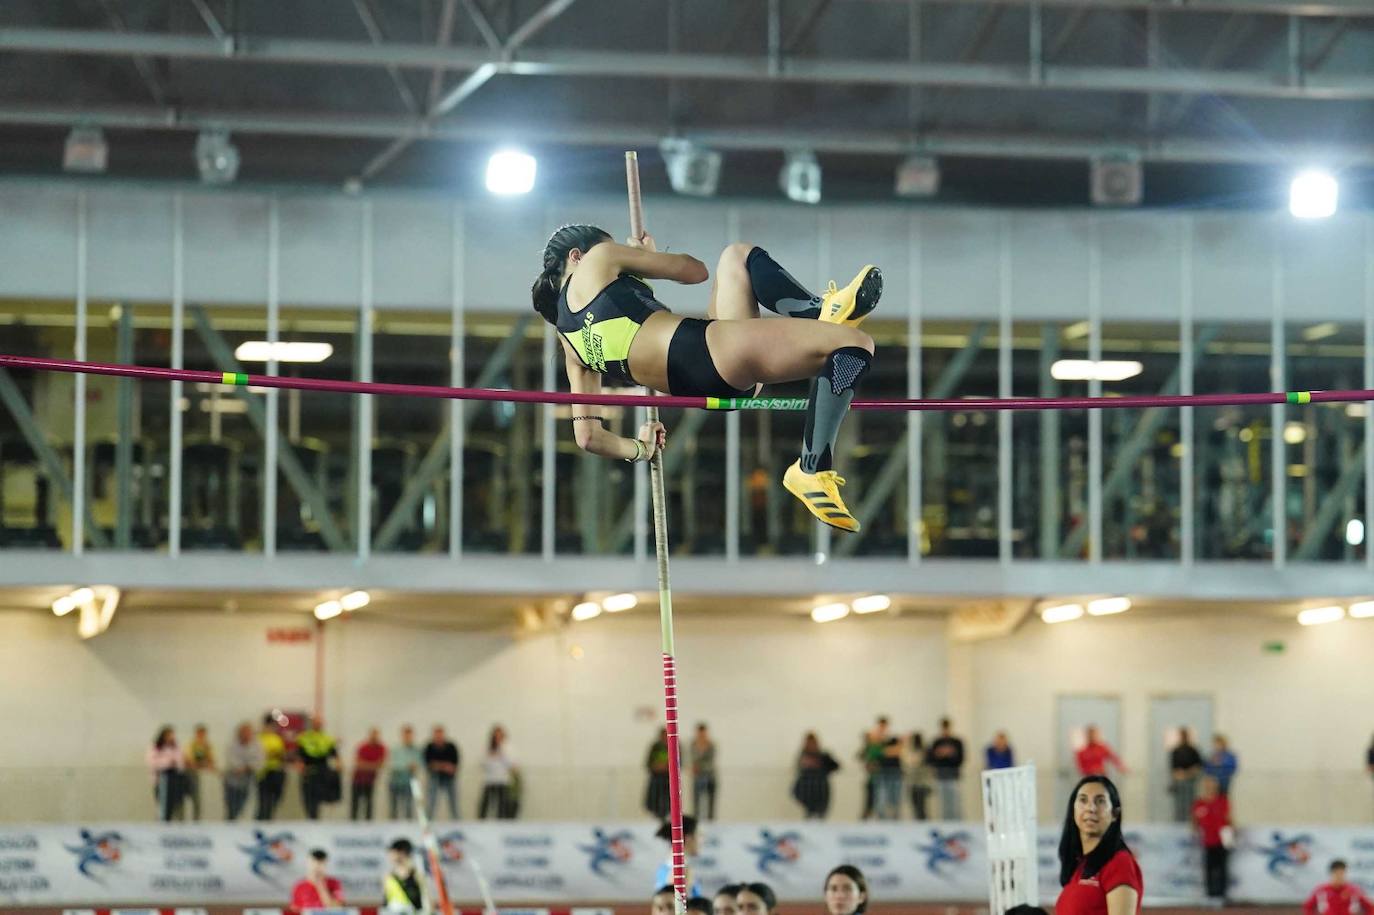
[258, 863]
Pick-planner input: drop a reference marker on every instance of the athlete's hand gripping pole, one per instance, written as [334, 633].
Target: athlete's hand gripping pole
[665, 602]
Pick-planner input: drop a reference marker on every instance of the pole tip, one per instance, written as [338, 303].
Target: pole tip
[631, 155]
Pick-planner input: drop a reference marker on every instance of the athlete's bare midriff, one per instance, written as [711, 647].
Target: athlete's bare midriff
[649, 351]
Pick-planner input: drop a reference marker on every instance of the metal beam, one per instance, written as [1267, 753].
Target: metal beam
[144, 67]
[1067, 33]
[880, 490]
[484, 27]
[124, 444]
[28, 425]
[1331, 507]
[1139, 440]
[437, 457]
[447, 20]
[857, 142]
[806, 26]
[673, 458]
[373, 27]
[656, 65]
[211, 21]
[1315, 8]
[1320, 56]
[296, 475]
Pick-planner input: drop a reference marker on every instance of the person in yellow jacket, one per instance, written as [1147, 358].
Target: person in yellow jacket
[403, 887]
[319, 761]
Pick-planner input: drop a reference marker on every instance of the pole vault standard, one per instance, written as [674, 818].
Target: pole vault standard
[779, 404]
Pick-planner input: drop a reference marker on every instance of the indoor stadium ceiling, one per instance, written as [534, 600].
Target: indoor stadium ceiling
[1217, 97]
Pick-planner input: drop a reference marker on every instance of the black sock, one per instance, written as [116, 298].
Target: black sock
[777, 290]
[831, 392]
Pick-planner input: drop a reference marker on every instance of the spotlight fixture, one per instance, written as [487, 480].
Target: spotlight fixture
[586, 610]
[1317, 616]
[282, 351]
[1294, 433]
[800, 178]
[511, 172]
[692, 169]
[1313, 195]
[355, 600]
[828, 613]
[1117, 181]
[1100, 370]
[86, 150]
[873, 603]
[1062, 614]
[217, 159]
[918, 176]
[1108, 606]
[618, 603]
[1354, 535]
[328, 610]
[1362, 610]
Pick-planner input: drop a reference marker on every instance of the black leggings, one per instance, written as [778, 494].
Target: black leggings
[691, 371]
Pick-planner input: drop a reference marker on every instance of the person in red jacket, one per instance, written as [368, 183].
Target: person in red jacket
[1212, 819]
[1098, 873]
[317, 890]
[1095, 754]
[1337, 897]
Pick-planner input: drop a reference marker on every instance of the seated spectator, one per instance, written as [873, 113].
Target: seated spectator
[999, 752]
[756, 899]
[1337, 897]
[165, 765]
[662, 903]
[846, 891]
[402, 890]
[317, 890]
[723, 903]
[1221, 765]
[699, 905]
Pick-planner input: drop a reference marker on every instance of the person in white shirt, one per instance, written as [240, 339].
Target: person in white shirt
[500, 779]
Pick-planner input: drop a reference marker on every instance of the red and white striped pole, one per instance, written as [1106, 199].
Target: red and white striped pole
[665, 603]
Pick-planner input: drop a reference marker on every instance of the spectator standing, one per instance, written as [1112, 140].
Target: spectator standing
[1221, 765]
[703, 751]
[317, 890]
[922, 776]
[165, 765]
[870, 754]
[999, 753]
[319, 762]
[1185, 767]
[887, 779]
[812, 787]
[402, 887]
[370, 758]
[242, 760]
[406, 761]
[200, 757]
[441, 761]
[947, 758]
[1211, 816]
[1337, 897]
[498, 778]
[272, 775]
[1095, 754]
[656, 792]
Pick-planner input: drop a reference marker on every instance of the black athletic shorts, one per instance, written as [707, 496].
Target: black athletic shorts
[691, 371]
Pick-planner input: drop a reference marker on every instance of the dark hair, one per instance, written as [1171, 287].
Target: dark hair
[730, 889]
[402, 846]
[319, 854]
[1071, 843]
[763, 891]
[546, 289]
[1337, 865]
[917, 741]
[946, 723]
[164, 737]
[853, 873]
[665, 889]
[689, 828]
[1024, 909]
[492, 744]
[699, 904]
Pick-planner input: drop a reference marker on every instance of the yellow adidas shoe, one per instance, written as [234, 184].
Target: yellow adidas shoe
[820, 493]
[854, 302]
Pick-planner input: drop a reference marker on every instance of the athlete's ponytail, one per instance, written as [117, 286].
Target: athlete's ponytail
[546, 288]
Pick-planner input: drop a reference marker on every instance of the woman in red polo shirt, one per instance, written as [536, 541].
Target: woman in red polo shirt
[1098, 873]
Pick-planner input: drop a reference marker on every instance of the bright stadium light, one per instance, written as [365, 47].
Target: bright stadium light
[328, 610]
[618, 603]
[1062, 614]
[1108, 606]
[873, 603]
[1313, 195]
[511, 172]
[355, 600]
[282, 351]
[1317, 616]
[1101, 370]
[828, 613]
[1354, 532]
[586, 610]
[1363, 610]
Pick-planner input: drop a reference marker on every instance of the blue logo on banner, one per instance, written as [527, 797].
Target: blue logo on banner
[97, 849]
[608, 848]
[773, 850]
[1287, 852]
[944, 848]
[268, 850]
[451, 847]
